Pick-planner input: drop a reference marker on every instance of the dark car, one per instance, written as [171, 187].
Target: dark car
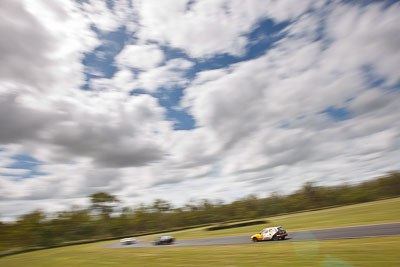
[164, 240]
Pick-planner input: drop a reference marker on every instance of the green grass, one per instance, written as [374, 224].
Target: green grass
[382, 211]
[351, 252]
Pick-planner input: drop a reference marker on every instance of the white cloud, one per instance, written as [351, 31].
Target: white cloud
[169, 75]
[108, 18]
[206, 28]
[122, 81]
[372, 39]
[370, 101]
[140, 56]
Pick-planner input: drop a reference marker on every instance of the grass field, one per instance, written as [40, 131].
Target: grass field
[383, 211]
[350, 252]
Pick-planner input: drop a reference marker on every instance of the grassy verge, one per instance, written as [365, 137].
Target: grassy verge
[351, 252]
[383, 211]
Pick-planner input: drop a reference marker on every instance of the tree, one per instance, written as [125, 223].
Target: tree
[103, 203]
[161, 206]
[30, 229]
[311, 194]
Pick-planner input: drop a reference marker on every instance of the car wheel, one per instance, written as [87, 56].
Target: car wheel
[275, 238]
[255, 239]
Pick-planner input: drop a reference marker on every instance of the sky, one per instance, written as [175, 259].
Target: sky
[191, 99]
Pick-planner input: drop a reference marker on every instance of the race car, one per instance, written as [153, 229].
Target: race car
[164, 240]
[271, 233]
[127, 241]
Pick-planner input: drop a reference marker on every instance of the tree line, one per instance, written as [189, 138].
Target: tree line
[107, 218]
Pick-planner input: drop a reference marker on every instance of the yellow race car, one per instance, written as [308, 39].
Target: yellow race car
[271, 233]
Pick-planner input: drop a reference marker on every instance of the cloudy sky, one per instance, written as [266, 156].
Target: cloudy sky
[192, 99]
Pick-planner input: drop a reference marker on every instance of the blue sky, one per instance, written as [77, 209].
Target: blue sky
[25, 162]
[213, 98]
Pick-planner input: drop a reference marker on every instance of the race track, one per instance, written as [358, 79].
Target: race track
[320, 234]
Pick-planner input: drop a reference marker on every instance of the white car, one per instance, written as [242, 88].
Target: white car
[127, 241]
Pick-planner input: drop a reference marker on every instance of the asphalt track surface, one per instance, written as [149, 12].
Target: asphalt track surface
[362, 231]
